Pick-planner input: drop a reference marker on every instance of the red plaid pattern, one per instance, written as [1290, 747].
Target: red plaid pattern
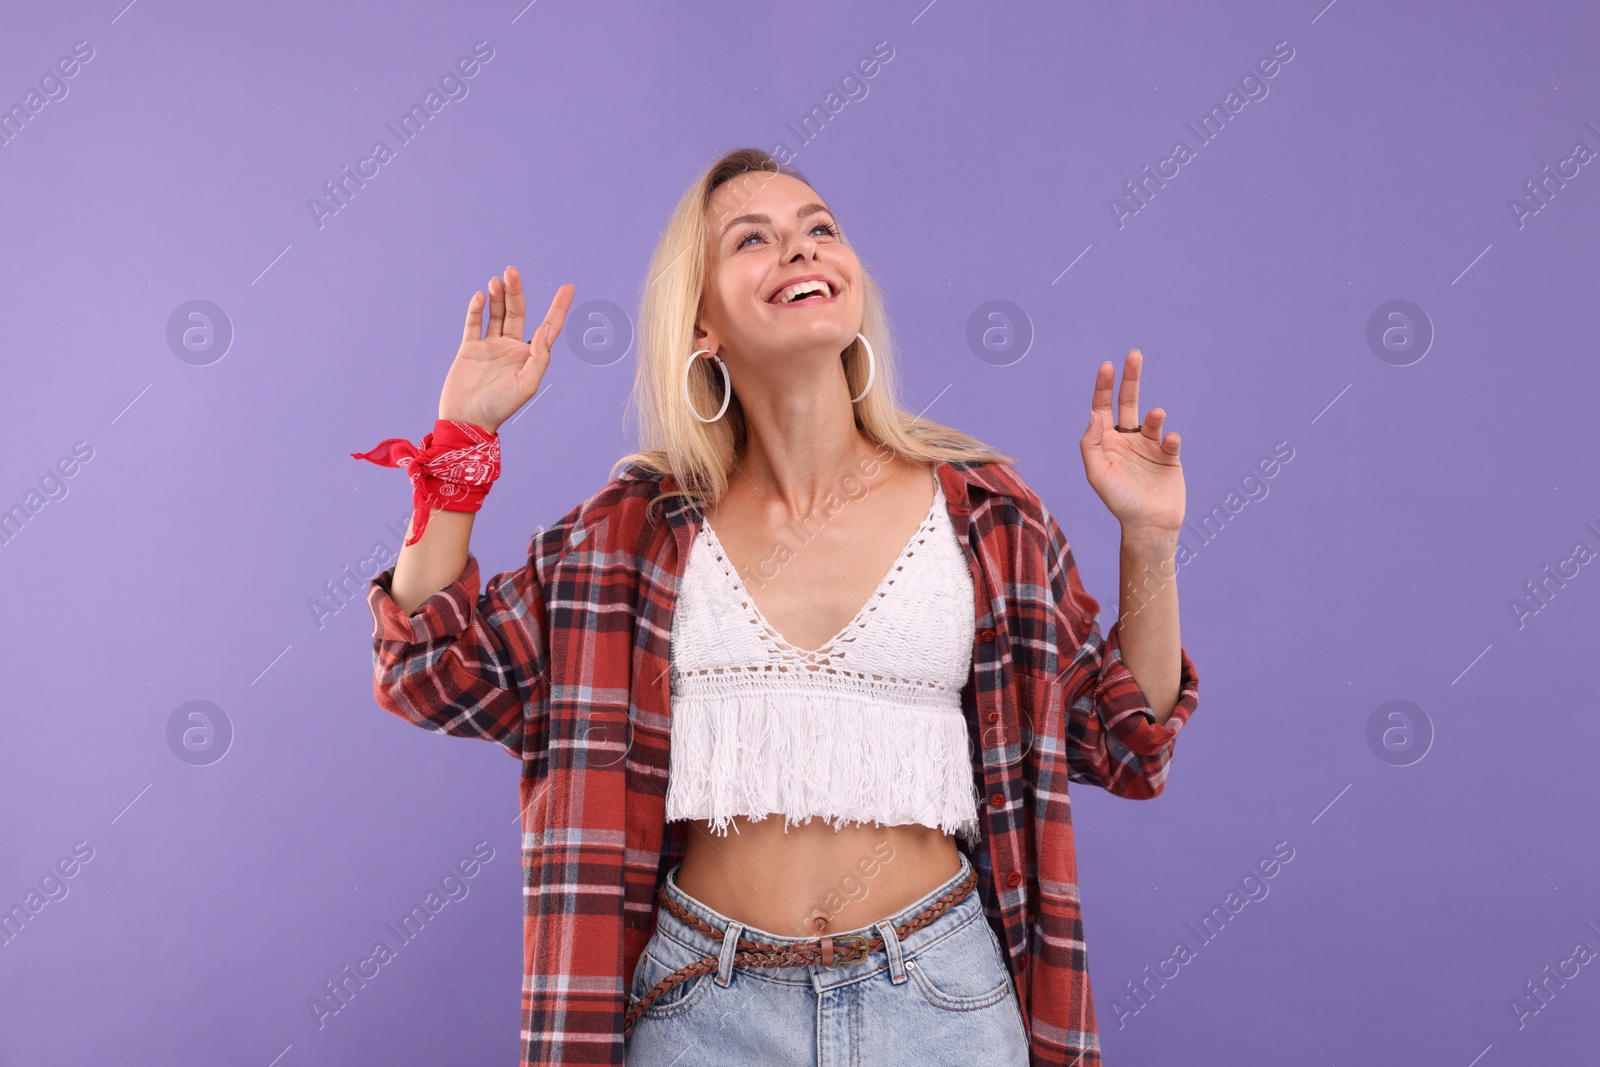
[564, 663]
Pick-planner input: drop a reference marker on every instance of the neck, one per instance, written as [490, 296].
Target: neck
[801, 440]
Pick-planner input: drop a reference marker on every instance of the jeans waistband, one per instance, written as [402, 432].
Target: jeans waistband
[966, 909]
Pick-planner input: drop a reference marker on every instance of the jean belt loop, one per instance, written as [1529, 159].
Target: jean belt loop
[730, 945]
[891, 945]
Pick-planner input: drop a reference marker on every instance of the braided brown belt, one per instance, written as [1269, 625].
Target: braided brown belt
[824, 950]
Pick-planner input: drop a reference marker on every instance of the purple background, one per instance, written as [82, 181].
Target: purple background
[1379, 563]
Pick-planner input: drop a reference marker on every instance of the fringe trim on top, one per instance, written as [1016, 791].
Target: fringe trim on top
[843, 758]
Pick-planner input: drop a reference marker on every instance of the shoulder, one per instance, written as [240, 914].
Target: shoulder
[622, 514]
[998, 487]
[1008, 513]
[630, 512]
[994, 478]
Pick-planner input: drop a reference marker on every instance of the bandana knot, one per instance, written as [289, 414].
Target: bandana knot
[451, 470]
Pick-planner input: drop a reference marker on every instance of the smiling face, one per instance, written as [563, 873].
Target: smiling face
[769, 235]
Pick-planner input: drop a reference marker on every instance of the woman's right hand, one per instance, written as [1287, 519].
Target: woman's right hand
[496, 372]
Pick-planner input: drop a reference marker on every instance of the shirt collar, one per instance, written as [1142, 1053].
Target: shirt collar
[962, 480]
[958, 477]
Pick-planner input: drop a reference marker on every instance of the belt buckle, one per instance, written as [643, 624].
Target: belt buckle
[860, 940]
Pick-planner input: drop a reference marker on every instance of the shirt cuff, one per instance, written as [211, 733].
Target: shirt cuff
[1125, 707]
[444, 614]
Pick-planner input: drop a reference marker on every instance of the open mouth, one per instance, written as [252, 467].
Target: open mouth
[814, 290]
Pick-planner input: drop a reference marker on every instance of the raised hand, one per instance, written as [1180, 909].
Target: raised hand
[1137, 475]
[495, 371]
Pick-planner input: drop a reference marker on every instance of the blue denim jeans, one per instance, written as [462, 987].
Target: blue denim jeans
[940, 996]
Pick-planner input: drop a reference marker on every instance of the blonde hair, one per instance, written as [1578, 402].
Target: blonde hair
[700, 455]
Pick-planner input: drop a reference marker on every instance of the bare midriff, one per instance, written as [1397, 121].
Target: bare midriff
[812, 879]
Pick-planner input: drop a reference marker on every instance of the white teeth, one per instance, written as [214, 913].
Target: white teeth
[788, 295]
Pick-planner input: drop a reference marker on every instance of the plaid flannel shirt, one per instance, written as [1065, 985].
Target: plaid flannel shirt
[564, 662]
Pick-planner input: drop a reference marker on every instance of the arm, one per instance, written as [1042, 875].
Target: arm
[1147, 617]
[434, 561]
[1117, 738]
[1113, 737]
[444, 657]
[460, 663]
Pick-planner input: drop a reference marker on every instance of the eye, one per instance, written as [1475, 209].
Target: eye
[826, 227]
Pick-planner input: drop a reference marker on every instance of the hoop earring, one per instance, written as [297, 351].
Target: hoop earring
[727, 386]
[872, 367]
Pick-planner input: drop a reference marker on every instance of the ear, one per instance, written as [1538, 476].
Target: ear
[704, 339]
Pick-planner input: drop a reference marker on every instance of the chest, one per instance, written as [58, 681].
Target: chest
[810, 579]
[911, 640]
[908, 615]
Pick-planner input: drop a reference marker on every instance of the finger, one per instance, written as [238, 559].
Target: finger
[1100, 404]
[533, 367]
[497, 307]
[1151, 427]
[474, 327]
[516, 305]
[554, 318]
[1128, 395]
[543, 337]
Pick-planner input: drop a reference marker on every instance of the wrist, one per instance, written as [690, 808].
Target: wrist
[1162, 539]
[487, 427]
[451, 470]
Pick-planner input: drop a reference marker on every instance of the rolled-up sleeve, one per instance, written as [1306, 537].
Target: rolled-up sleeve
[464, 664]
[1112, 738]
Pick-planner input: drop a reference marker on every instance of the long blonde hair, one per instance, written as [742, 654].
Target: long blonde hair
[700, 455]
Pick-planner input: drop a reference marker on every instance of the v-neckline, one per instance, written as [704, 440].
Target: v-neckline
[877, 594]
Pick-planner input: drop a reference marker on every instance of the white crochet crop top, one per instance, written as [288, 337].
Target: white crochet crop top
[869, 728]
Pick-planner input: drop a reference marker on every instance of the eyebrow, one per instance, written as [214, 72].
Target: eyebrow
[809, 209]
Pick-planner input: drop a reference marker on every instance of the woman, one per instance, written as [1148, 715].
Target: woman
[857, 641]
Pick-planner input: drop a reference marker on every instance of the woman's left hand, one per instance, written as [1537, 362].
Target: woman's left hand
[1137, 475]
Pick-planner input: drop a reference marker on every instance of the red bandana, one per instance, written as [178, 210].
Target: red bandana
[452, 470]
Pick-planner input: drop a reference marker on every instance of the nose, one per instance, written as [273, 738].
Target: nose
[803, 246]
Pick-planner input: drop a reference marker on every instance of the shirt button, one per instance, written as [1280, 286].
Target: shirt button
[998, 800]
[1014, 878]
[986, 635]
[993, 716]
